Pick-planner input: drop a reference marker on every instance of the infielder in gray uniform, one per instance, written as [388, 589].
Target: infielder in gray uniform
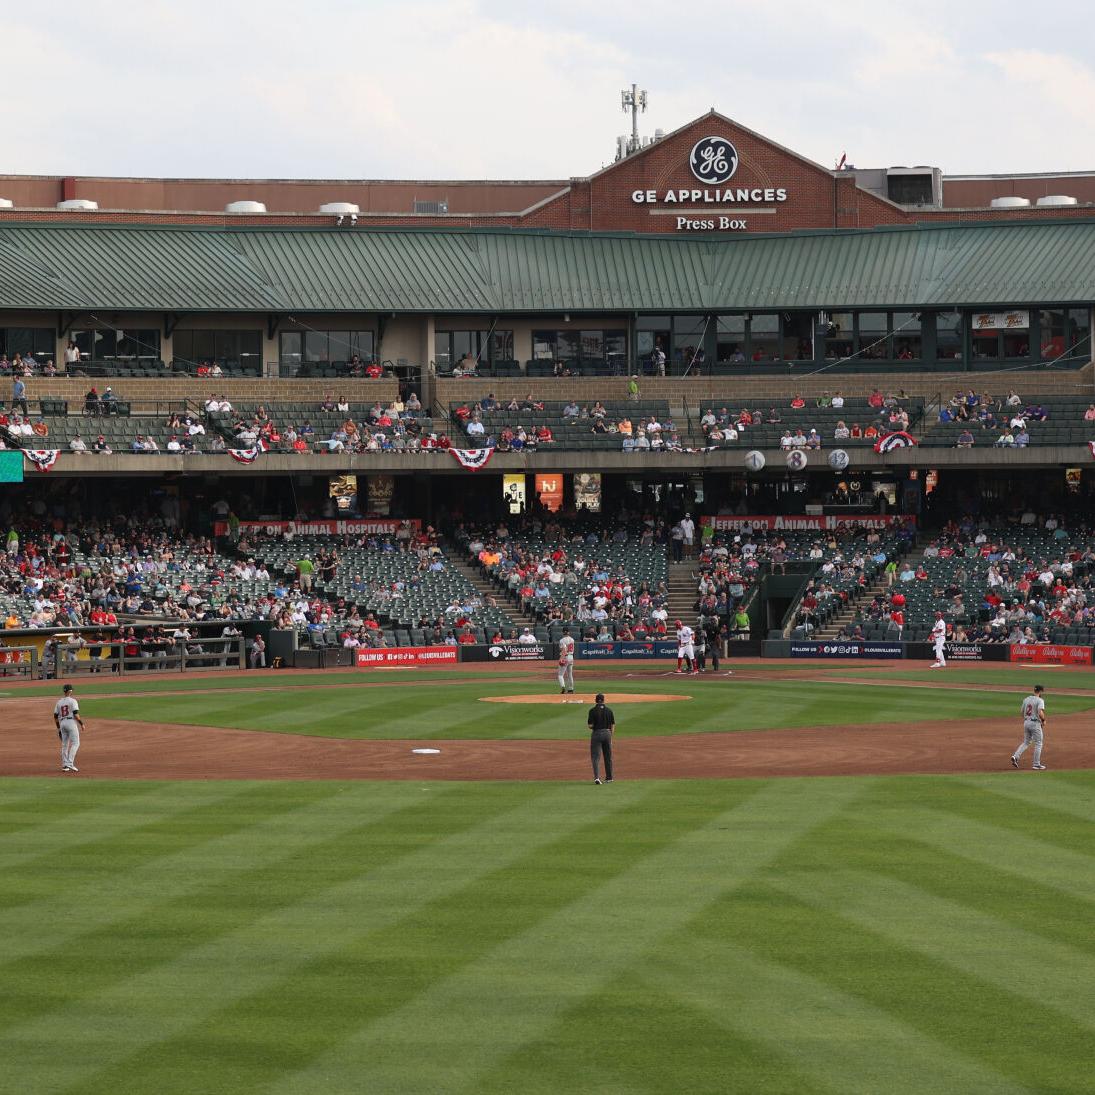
[566, 662]
[1034, 721]
[66, 716]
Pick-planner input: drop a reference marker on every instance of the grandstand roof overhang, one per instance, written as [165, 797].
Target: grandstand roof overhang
[432, 271]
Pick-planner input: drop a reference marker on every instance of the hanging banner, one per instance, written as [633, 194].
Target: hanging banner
[248, 456]
[1000, 321]
[472, 459]
[343, 489]
[513, 492]
[323, 527]
[587, 491]
[806, 523]
[42, 459]
[380, 489]
[897, 440]
[549, 490]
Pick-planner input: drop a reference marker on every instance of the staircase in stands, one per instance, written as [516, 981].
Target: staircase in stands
[682, 593]
[833, 626]
[456, 559]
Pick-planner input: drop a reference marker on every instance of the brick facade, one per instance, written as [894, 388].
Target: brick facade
[817, 198]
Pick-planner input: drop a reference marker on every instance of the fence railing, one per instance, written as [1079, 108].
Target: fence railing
[118, 656]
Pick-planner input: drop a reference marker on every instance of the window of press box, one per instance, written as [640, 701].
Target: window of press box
[798, 336]
[118, 345]
[1065, 333]
[198, 347]
[731, 338]
[839, 338]
[575, 346]
[451, 346]
[296, 347]
[37, 342]
[764, 338]
[948, 336]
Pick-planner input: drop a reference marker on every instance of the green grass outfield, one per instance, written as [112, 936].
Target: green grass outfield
[875, 935]
[448, 706]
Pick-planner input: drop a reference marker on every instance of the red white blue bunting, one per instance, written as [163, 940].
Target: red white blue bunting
[42, 459]
[248, 456]
[472, 459]
[897, 440]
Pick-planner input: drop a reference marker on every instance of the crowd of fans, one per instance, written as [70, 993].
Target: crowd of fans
[1004, 423]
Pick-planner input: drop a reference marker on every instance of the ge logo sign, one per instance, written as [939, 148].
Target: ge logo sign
[713, 160]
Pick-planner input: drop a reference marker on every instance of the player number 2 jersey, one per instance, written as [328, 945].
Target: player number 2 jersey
[66, 708]
[1032, 707]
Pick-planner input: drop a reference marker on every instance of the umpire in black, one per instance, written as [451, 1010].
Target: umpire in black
[601, 725]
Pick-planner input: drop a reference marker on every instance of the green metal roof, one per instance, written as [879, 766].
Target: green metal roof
[212, 269]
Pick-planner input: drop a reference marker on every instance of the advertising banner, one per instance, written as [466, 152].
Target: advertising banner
[960, 652]
[1050, 654]
[513, 492]
[807, 522]
[508, 652]
[549, 489]
[651, 648]
[587, 491]
[406, 655]
[383, 526]
[1000, 321]
[852, 649]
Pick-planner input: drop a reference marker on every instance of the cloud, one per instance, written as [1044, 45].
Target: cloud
[509, 89]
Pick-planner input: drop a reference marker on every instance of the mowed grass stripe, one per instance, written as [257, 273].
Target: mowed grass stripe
[386, 967]
[463, 1025]
[1053, 976]
[1041, 795]
[104, 1029]
[841, 1042]
[168, 860]
[1037, 863]
[64, 823]
[454, 711]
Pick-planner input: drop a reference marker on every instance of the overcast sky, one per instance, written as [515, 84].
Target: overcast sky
[507, 89]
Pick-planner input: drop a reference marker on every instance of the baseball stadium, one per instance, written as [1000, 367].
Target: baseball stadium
[622, 633]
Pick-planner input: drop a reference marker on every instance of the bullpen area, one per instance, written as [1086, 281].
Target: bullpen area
[805, 878]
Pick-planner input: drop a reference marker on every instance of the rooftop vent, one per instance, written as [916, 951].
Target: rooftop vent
[339, 209]
[78, 203]
[1057, 199]
[433, 208]
[1009, 202]
[6, 203]
[245, 207]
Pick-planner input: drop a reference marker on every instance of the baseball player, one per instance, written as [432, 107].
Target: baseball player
[1034, 721]
[566, 662]
[66, 716]
[602, 725]
[939, 637]
[686, 649]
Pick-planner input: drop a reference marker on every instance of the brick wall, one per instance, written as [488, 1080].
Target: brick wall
[173, 387]
[739, 389]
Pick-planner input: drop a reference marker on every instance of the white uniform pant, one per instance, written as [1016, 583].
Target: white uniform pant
[70, 741]
[566, 674]
[939, 651]
[1032, 735]
[687, 650]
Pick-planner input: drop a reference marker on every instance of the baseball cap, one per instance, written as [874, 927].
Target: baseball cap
[1038, 688]
[67, 688]
[676, 623]
[599, 698]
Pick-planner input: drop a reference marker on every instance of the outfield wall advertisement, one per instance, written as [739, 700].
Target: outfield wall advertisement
[658, 648]
[508, 652]
[961, 652]
[853, 649]
[406, 655]
[1049, 654]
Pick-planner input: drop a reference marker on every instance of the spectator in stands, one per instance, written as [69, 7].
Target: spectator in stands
[1013, 399]
[965, 440]
[633, 388]
[1006, 440]
[797, 403]
[77, 444]
[488, 403]
[875, 399]
[837, 402]
[571, 410]
[1022, 439]
[841, 433]
[374, 370]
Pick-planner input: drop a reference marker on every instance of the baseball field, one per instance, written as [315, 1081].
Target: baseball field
[804, 879]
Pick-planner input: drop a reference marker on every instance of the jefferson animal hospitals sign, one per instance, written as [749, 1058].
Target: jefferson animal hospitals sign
[713, 161]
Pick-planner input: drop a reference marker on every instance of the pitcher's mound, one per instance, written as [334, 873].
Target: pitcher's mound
[588, 697]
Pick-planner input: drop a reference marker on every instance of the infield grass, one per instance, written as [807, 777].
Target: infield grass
[443, 708]
[874, 935]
